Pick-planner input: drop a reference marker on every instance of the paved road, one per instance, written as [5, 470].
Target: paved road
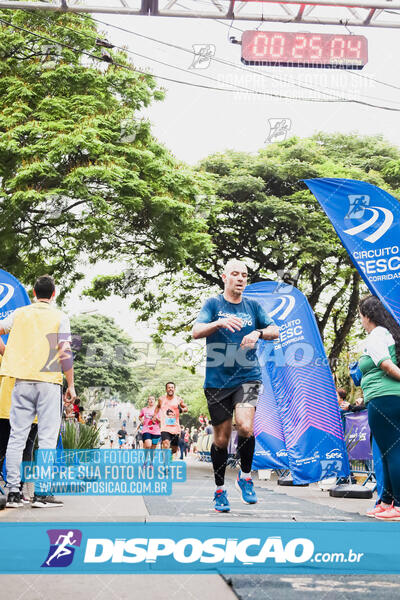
[191, 501]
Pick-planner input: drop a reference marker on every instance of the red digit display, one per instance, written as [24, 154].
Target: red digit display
[277, 48]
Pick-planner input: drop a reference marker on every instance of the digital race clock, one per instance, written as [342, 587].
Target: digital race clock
[278, 48]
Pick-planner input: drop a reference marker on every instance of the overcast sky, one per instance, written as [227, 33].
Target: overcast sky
[194, 122]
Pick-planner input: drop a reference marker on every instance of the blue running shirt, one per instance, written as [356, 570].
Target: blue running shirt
[227, 364]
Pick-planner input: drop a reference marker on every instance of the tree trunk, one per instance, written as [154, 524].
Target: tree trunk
[347, 324]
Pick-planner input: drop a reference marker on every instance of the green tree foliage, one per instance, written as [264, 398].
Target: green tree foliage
[103, 356]
[80, 172]
[263, 213]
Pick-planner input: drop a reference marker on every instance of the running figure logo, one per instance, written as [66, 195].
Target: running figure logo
[278, 130]
[62, 547]
[358, 205]
[203, 55]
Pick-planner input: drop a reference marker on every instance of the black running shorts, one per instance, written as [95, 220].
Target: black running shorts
[172, 437]
[222, 401]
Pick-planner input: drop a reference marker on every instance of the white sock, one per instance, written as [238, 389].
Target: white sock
[220, 487]
[245, 475]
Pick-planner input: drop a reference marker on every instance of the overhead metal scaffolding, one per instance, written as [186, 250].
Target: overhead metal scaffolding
[354, 13]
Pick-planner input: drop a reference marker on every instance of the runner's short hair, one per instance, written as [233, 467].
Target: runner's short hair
[342, 393]
[169, 383]
[44, 287]
[232, 261]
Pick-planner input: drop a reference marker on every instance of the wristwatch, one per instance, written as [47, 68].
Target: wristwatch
[260, 331]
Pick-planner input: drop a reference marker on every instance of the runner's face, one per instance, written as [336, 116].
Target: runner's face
[150, 401]
[170, 389]
[236, 279]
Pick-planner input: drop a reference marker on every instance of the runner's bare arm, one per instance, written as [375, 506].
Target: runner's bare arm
[390, 369]
[2, 347]
[157, 410]
[231, 323]
[268, 333]
[183, 406]
[67, 366]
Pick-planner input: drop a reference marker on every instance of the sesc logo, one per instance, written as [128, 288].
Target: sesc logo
[284, 308]
[62, 547]
[281, 453]
[6, 293]
[191, 550]
[335, 453]
[358, 205]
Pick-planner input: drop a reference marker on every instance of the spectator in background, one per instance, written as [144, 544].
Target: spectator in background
[130, 441]
[37, 354]
[121, 437]
[6, 388]
[187, 441]
[380, 384]
[182, 443]
[80, 416]
[75, 407]
[195, 437]
[91, 420]
[139, 438]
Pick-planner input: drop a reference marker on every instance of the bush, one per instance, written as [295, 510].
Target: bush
[78, 436]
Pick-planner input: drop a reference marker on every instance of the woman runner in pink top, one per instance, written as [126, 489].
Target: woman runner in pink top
[150, 428]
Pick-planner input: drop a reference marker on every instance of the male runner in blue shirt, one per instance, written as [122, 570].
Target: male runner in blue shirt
[233, 325]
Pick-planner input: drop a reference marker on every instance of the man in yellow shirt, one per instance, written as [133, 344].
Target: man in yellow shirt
[6, 388]
[37, 353]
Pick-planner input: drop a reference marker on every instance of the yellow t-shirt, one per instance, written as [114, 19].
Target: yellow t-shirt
[32, 347]
[6, 388]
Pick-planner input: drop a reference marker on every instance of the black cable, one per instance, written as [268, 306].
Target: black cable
[337, 98]
[131, 68]
[134, 69]
[248, 90]
[239, 87]
[294, 83]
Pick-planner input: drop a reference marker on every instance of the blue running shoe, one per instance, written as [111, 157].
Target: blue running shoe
[246, 488]
[221, 502]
